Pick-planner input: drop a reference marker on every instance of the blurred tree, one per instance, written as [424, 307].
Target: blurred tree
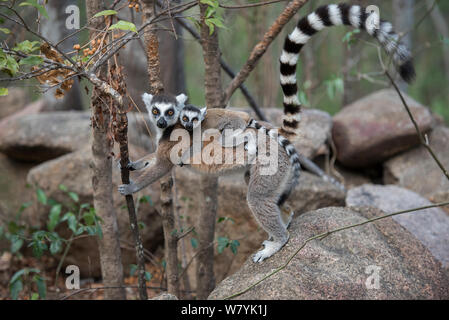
[61, 23]
[403, 20]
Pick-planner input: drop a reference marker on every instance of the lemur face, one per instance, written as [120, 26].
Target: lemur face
[163, 109]
[191, 116]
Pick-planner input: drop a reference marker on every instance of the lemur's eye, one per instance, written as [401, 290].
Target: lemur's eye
[185, 119]
[170, 112]
[155, 111]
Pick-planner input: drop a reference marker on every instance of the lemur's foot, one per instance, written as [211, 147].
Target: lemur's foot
[126, 189]
[271, 247]
[287, 215]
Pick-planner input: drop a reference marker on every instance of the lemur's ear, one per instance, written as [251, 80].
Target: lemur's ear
[147, 99]
[203, 113]
[181, 99]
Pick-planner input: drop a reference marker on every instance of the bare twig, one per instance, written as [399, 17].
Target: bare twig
[251, 5]
[422, 139]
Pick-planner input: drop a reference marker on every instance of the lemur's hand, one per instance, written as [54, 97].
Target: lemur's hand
[126, 189]
[130, 166]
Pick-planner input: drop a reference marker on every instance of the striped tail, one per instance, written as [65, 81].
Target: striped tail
[291, 152]
[327, 16]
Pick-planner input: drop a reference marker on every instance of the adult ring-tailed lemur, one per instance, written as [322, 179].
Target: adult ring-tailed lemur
[267, 194]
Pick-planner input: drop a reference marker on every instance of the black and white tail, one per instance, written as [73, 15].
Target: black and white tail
[327, 16]
[291, 152]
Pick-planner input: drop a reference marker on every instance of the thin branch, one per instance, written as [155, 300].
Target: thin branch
[422, 139]
[326, 234]
[251, 5]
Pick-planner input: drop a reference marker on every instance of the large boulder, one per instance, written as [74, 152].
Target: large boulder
[15, 101]
[377, 127]
[73, 170]
[45, 136]
[417, 170]
[311, 193]
[315, 129]
[430, 226]
[379, 260]
[48, 135]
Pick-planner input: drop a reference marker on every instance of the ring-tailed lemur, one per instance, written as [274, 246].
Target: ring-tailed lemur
[266, 193]
[327, 16]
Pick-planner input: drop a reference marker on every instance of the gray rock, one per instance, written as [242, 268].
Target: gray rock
[430, 226]
[343, 265]
[165, 296]
[315, 129]
[416, 170]
[377, 127]
[73, 170]
[311, 193]
[45, 136]
[48, 135]
[15, 101]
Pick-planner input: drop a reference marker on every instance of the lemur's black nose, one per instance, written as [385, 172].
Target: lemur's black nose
[161, 123]
[189, 126]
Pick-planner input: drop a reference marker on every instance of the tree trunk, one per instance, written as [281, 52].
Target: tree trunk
[109, 244]
[172, 57]
[167, 212]
[403, 21]
[55, 29]
[208, 185]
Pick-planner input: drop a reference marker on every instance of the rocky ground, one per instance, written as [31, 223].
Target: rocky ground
[379, 160]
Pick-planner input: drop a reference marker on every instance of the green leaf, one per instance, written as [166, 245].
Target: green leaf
[4, 92]
[24, 206]
[15, 288]
[234, 245]
[105, 13]
[55, 246]
[41, 287]
[133, 269]
[35, 296]
[146, 199]
[54, 216]
[74, 196]
[11, 65]
[36, 5]
[27, 46]
[18, 275]
[148, 276]
[124, 25]
[71, 221]
[62, 188]
[141, 225]
[16, 244]
[223, 242]
[194, 243]
[32, 61]
[41, 197]
[5, 30]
